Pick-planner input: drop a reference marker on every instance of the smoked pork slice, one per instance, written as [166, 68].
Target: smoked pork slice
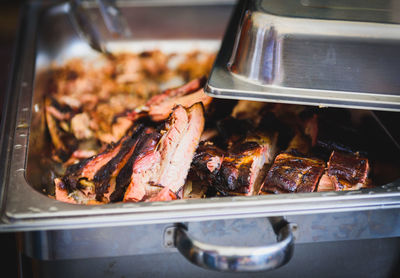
[159, 107]
[345, 171]
[293, 173]
[235, 171]
[93, 179]
[167, 162]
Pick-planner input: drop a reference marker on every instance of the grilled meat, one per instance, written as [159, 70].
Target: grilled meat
[167, 162]
[345, 171]
[63, 141]
[123, 140]
[94, 177]
[159, 107]
[235, 171]
[292, 173]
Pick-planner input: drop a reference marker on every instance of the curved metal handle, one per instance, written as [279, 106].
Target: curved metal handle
[235, 259]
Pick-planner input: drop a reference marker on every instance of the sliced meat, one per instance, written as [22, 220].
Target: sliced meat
[62, 192]
[300, 143]
[159, 107]
[236, 171]
[144, 166]
[164, 195]
[347, 171]
[292, 173]
[64, 143]
[326, 184]
[167, 162]
[159, 112]
[95, 177]
[240, 169]
[208, 158]
[185, 89]
[80, 126]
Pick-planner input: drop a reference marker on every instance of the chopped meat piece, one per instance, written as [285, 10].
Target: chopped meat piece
[311, 128]
[291, 173]
[300, 143]
[143, 167]
[185, 89]
[120, 127]
[235, 171]
[94, 178]
[250, 110]
[159, 112]
[207, 161]
[164, 195]
[167, 162]
[208, 134]
[326, 184]
[144, 150]
[347, 171]
[62, 193]
[64, 143]
[159, 107]
[80, 126]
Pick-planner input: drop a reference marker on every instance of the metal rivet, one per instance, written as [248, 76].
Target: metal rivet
[22, 125]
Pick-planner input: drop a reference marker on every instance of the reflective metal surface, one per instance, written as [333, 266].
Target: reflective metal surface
[131, 240]
[273, 52]
[379, 259]
[84, 26]
[237, 258]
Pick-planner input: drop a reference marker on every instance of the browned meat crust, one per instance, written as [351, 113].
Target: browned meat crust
[167, 162]
[92, 178]
[291, 173]
[159, 107]
[134, 140]
[235, 171]
[347, 171]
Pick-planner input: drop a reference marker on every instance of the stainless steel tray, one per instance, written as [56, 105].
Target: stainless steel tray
[323, 53]
[47, 36]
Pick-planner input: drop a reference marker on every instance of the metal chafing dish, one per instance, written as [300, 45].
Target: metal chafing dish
[323, 231]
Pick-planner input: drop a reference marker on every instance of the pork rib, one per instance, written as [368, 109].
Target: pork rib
[94, 178]
[292, 173]
[159, 107]
[346, 171]
[167, 162]
[235, 171]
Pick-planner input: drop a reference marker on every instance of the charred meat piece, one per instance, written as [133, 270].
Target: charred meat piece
[240, 169]
[206, 163]
[208, 158]
[147, 142]
[159, 107]
[167, 162]
[234, 172]
[300, 143]
[185, 89]
[291, 173]
[64, 142]
[232, 131]
[345, 171]
[94, 178]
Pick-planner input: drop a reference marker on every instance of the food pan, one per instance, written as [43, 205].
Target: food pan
[53, 230]
[322, 53]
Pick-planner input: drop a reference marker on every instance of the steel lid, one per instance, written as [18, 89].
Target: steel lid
[312, 52]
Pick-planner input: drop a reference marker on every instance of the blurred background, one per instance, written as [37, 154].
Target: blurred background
[9, 17]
